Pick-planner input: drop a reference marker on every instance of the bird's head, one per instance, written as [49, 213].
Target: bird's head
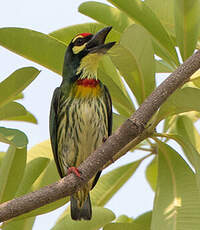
[83, 54]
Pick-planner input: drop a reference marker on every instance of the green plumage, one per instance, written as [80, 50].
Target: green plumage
[78, 125]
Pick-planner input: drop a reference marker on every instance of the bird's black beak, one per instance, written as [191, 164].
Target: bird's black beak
[96, 44]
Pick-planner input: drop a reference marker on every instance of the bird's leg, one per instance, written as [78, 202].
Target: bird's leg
[74, 170]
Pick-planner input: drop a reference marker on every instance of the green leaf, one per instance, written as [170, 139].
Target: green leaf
[10, 110]
[124, 219]
[35, 46]
[101, 216]
[163, 67]
[164, 11]
[11, 171]
[183, 100]
[2, 155]
[190, 151]
[127, 65]
[16, 82]
[44, 148]
[177, 195]
[118, 119]
[120, 99]
[33, 170]
[124, 226]
[187, 23]
[111, 182]
[185, 128]
[134, 59]
[141, 13]
[66, 34]
[152, 173]
[110, 16]
[138, 42]
[26, 224]
[13, 137]
[144, 220]
[29, 117]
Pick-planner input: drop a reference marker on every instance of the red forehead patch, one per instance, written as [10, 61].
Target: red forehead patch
[85, 34]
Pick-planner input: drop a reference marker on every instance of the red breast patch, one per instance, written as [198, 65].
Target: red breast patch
[88, 82]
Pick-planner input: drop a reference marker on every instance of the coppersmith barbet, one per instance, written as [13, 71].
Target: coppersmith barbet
[81, 113]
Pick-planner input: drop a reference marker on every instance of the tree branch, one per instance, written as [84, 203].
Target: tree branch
[129, 130]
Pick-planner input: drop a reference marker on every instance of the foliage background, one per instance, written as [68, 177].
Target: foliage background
[38, 96]
[177, 190]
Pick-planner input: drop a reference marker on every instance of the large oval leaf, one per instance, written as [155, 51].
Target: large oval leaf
[124, 226]
[111, 182]
[177, 195]
[187, 24]
[152, 173]
[183, 100]
[138, 42]
[26, 224]
[110, 16]
[11, 171]
[16, 82]
[35, 46]
[66, 34]
[14, 111]
[140, 12]
[13, 137]
[33, 170]
[101, 216]
[164, 10]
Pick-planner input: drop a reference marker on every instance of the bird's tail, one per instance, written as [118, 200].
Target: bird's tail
[84, 212]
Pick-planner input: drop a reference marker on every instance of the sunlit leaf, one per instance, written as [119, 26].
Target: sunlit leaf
[111, 182]
[26, 224]
[13, 137]
[124, 219]
[124, 226]
[33, 169]
[66, 34]
[177, 195]
[141, 13]
[144, 220]
[187, 24]
[110, 16]
[163, 67]
[101, 216]
[28, 117]
[164, 10]
[118, 120]
[16, 82]
[11, 171]
[35, 46]
[183, 100]
[151, 173]
[138, 42]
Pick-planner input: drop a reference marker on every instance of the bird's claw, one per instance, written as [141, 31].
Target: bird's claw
[74, 170]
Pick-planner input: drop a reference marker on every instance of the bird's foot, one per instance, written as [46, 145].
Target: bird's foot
[104, 139]
[74, 170]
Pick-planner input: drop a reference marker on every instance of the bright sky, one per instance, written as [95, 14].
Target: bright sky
[45, 16]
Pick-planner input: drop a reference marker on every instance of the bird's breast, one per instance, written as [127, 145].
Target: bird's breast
[86, 88]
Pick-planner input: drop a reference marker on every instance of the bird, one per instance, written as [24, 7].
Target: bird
[81, 113]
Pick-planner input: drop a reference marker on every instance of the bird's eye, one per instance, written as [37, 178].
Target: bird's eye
[79, 42]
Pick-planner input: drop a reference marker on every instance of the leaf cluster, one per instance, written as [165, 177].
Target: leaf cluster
[149, 35]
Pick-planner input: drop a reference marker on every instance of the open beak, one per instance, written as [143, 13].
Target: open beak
[96, 44]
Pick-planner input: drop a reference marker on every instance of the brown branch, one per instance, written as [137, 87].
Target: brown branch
[129, 130]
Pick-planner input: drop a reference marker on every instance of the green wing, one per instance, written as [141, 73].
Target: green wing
[53, 126]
